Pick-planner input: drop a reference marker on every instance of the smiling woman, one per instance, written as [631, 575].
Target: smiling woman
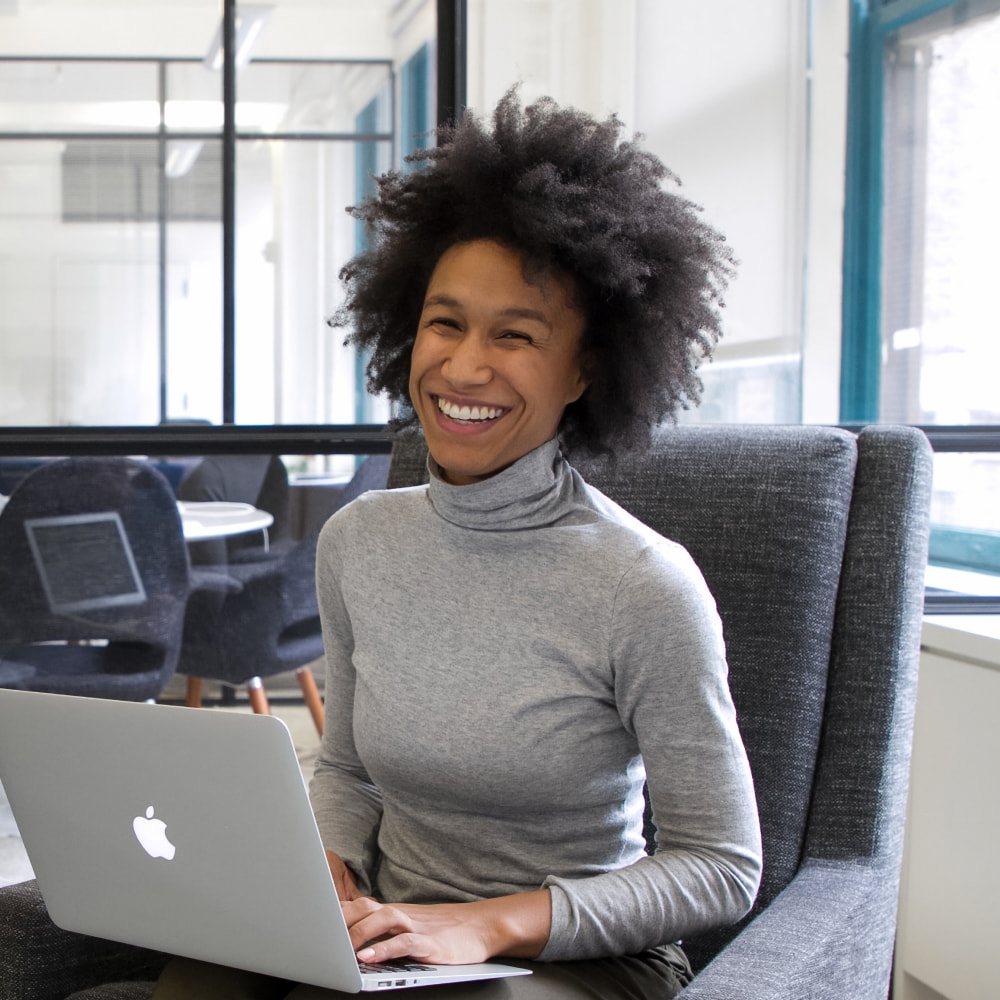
[511, 658]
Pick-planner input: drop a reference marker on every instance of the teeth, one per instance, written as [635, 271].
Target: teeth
[467, 412]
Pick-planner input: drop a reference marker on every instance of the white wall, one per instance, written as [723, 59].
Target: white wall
[746, 103]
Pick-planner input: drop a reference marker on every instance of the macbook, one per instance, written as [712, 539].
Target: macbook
[84, 561]
[185, 830]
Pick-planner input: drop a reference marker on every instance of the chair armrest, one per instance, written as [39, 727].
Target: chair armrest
[39, 961]
[828, 935]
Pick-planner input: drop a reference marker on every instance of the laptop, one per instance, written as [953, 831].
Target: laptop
[185, 830]
[84, 562]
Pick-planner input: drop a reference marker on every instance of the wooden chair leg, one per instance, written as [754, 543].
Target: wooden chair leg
[311, 694]
[193, 699]
[258, 696]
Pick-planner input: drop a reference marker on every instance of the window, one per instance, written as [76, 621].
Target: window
[119, 259]
[921, 318]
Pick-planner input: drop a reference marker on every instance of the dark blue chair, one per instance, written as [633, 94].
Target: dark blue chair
[94, 580]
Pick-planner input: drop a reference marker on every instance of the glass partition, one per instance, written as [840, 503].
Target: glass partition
[114, 282]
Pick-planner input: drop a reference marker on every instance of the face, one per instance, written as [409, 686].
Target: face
[495, 362]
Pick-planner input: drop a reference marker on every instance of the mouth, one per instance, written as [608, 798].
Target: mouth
[469, 415]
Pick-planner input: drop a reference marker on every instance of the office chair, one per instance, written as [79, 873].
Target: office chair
[269, 622]
[813, 541]
[94, 578]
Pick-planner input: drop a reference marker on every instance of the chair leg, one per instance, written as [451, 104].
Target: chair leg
[193, 699]
[258, 696]
[311, 694]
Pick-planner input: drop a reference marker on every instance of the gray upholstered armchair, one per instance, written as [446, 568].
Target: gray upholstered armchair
[813, 541]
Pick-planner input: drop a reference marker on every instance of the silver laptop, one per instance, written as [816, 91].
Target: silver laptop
[185, 830]
[84, 561]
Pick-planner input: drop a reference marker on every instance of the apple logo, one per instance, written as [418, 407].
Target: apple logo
[152, 835]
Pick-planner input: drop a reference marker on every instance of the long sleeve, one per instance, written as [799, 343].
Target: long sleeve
[672, 694]
[347, 805]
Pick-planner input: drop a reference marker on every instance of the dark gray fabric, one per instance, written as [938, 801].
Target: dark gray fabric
[732, 496]
[269, 620]
[143, 639]
[116, 991]
[38, 961]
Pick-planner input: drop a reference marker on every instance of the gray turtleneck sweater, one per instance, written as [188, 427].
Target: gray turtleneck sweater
[507, 663]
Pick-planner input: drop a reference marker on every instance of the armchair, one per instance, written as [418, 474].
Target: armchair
[813, 541]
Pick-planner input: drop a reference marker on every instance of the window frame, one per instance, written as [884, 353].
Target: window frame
[861, 341]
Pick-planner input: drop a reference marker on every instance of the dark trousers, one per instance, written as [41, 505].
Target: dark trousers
[653, 975]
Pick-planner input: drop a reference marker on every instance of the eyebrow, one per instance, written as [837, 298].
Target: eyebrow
[511, 312]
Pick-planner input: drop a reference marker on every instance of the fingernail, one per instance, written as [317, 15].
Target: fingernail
[366, 954]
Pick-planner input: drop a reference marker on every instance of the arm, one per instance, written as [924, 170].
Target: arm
[671, 689]
[345, 801]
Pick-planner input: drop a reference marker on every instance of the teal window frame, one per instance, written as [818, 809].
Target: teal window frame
[861, 342]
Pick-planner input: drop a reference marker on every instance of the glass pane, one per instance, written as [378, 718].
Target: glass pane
[940, 321]
[965, 516]
[193, 281]
[293, 237]
[44, 96]
[193, 98]
[111, 269]
[307, 97]
[78, 283]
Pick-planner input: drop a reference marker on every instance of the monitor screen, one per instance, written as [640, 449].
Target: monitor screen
[84, 561]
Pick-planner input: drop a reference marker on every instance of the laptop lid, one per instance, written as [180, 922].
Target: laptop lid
[84, 561]
[184, 830]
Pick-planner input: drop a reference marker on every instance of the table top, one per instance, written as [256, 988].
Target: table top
[220, 518]
[214, 518]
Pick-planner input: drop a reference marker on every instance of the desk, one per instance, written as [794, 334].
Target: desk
[214, 519]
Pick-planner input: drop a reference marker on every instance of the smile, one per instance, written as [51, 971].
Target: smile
[469, 414]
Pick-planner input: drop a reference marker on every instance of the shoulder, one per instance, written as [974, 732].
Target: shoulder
[374, 508]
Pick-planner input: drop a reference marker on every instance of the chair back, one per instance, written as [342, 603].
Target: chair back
[142, 630]
[813, 542]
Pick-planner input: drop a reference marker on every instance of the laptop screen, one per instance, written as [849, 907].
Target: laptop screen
[84, 561]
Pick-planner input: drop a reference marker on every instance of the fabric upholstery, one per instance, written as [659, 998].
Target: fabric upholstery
[813, 541]
[269, 620]
[38, 961]
[143, 640]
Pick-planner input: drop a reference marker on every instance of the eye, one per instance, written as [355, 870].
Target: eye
[516, 336]
[444, 322]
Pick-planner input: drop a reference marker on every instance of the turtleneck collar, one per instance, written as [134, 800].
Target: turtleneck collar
[531, 493]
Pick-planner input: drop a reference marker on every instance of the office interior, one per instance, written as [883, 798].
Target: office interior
[846, 148]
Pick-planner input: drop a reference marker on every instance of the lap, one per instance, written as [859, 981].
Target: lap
[654, 975]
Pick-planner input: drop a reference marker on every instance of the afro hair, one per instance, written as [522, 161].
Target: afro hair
[565, 191]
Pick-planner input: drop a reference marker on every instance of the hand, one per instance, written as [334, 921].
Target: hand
[450, 933]
[343, 878]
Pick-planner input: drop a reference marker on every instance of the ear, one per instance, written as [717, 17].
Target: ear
[584, 374]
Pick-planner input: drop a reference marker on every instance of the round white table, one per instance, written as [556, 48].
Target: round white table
[221, 518]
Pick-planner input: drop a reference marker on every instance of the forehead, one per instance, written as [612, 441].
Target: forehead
[488, 265]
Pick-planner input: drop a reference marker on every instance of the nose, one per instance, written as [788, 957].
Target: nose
[467, 362]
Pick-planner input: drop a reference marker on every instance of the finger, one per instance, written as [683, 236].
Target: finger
[370, 922]
[407, 945]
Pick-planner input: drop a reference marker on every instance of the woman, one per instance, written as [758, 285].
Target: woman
[510, 656]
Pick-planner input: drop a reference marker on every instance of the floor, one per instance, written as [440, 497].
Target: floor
[14, 864]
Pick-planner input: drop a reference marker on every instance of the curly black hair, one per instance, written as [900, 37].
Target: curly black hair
[561, 188]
